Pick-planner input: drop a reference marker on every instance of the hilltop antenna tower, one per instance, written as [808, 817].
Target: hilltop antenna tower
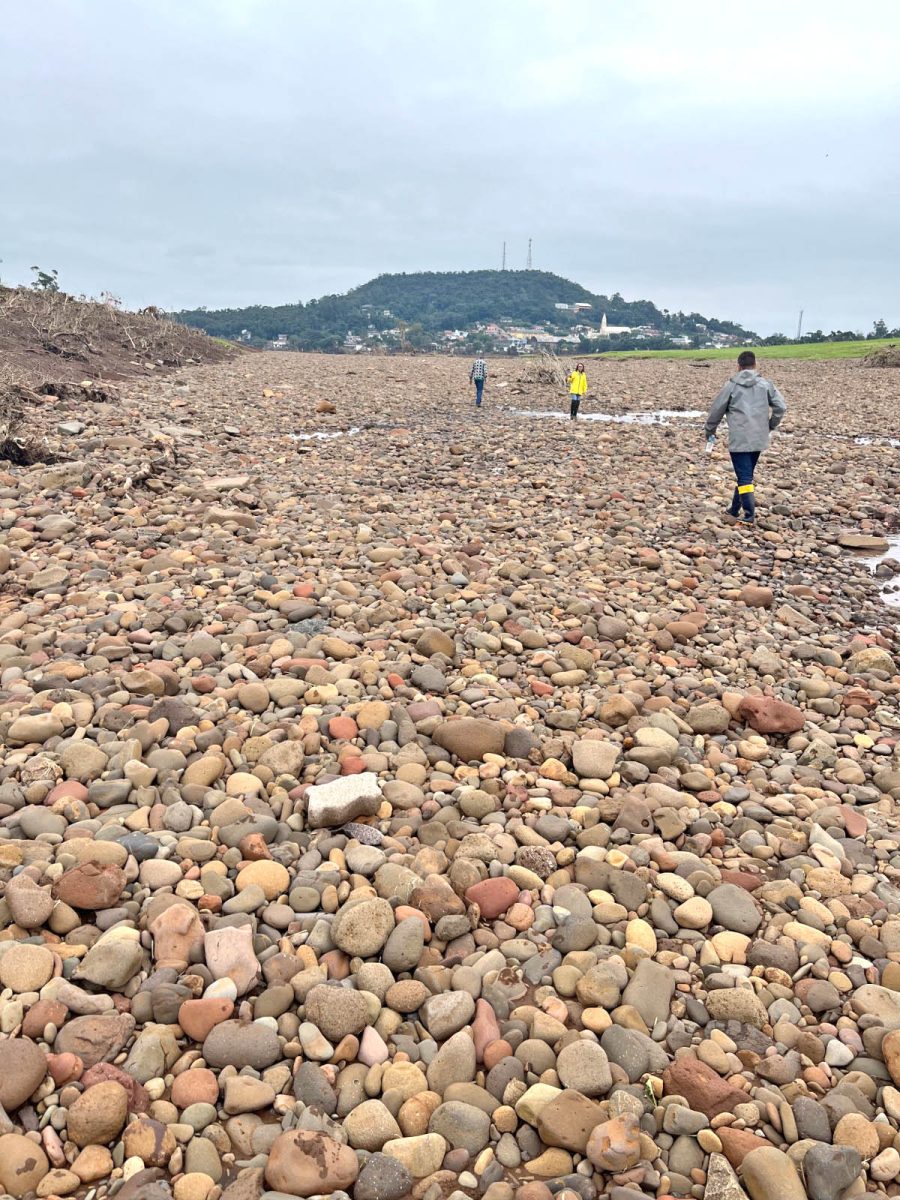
[503, 267]
[528, 260]
[800, 325]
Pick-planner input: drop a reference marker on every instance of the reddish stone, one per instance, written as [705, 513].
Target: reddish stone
[496, 1051]
[70, 789]
[195, 1086]
[253, 847]
[64, 1068]
[42, 1014]
[346, 1050]
[682, 631]
[768, 714]
[854, 821]
[493, 896]
[704, 1090]
[303, 590]
[737, 1143]
[742, 879]
[402, 911]
[485, 1028]
[343, 727]
[352, 766]
[420, 710]
[310, 1163]
[541, 688]
[615, 1145]
[211, 904]
[138, 1097]
[534, 1190]
[299, 664]
[754, 595]
[90, 886]
[336, 963]
[198, 1017]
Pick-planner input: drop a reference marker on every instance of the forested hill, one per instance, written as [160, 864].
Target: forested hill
[441, 300]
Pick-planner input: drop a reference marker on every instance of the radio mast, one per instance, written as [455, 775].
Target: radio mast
[528, 260]
[503, 266]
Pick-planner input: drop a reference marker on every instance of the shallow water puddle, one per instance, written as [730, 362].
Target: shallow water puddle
[322, 435]
[889, 591]
[658, 416]
[894, 443]
[890, 584]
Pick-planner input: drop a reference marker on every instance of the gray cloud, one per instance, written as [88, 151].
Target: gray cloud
[739, 161]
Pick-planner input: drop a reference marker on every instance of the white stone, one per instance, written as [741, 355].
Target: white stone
[221, 989]
[343, 800]
[837, 1054]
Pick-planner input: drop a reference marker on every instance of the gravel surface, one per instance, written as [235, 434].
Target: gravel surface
[454, 805]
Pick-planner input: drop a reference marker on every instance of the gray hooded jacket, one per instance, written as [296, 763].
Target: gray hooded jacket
[752, 406]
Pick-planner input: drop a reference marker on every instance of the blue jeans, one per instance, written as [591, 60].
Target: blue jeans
[574, 402]
[479, 388]
[744, 463]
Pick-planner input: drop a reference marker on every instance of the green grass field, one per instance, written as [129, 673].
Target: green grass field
[812, 351]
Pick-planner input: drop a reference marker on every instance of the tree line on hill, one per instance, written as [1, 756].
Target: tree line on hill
[424, 304]
[879, 330]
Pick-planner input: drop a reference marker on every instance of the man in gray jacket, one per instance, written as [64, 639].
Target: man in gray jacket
[753, 407]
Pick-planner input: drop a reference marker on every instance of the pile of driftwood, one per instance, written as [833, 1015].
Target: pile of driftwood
[885, 356]
[20, 442]
[545, 367]
[97, 333]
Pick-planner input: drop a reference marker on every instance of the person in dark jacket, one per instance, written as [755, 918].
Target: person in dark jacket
[752, 407]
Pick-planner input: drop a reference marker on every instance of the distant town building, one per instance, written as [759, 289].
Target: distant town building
[280, 343]
[582, 306]
[562, 307]
[535, 335]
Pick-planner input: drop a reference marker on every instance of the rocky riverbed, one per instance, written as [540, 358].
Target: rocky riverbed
[457, 807]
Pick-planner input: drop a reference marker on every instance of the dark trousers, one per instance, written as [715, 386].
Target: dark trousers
[574, 401]
[479, 388]
[744, 463]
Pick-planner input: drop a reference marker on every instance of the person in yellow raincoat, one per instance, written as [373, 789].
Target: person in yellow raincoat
[577, 387]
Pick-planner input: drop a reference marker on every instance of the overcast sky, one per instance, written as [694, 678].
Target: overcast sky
[741, 159]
